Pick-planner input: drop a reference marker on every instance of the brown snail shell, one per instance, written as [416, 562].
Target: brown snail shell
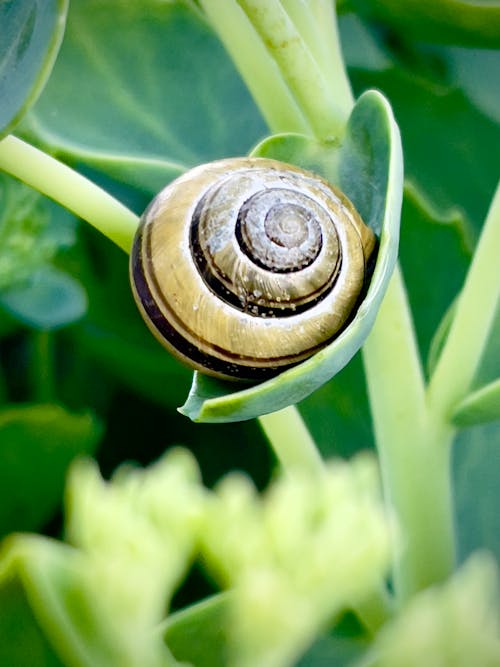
[246, 266]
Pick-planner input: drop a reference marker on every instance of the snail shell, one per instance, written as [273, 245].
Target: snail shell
[244, 267]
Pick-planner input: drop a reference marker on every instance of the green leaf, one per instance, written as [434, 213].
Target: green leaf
[447, 140]
[48, 299]
[32, 230]
[68, 597]
[476, 482]
[477, 72]
[334, 651]
[482, 404]
[489, 369]
[113, 333]
[479, 406]
[360, 47]
[452, 624]
[32, 31]
[22, 642]
[142, 177]
[152, 85]
[463, 22]
[338, 414]
[368, 169]
[435, 252]
[197, 635]
[37, 444]
[55, 579]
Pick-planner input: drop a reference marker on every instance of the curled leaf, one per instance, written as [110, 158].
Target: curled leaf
[367, 166]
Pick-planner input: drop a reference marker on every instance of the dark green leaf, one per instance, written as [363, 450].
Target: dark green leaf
[113, 333]
[368, 167]
[133, 181]
[435, 251]
[447, 141]
[360, 47]
[479, 406]
[54, 580]
[464, 22]
[197, 635]
[477, 73]
[37, 443]
[22, 643]
[338, 414]
[48, 299]
[31, 34]
[334, 651]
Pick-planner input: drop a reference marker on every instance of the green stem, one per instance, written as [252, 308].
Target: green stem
[70, 189]
[374, 610]
[256, 66]
[414, 451]
[316, 22]
[291, 441]
[43, 366]
[324, 111]
[472, 321]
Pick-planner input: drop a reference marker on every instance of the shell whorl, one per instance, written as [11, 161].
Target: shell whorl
[246, 266]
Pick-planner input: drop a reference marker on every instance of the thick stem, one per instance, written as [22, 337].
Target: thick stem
[325, 112]
[256, 66]
[291, 441]
[472, 321]
[70, 189]
[414, 452]
[329, 58]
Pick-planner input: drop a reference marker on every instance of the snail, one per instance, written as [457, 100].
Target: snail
[244, 267]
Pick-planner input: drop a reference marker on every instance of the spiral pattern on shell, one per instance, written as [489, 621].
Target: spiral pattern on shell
[246, 266]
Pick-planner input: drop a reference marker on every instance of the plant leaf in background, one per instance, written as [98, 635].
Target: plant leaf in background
[49, 299]
[148, 108]
[33, 231]
[31, 34]
[198, 634]
[367, 167]
[458, 623]
[445, 21]
[482, 404]
[37, 444]
[100, 600]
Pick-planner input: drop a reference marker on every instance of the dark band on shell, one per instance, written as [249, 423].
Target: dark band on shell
[247, 266]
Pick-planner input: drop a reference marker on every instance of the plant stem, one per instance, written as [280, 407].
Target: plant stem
[374, 610]
[256, 66]
[472, 321]
[325, 112]
[291, 441]
[414, 451]
[70, 189]
[316, 22]
[43, 366]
